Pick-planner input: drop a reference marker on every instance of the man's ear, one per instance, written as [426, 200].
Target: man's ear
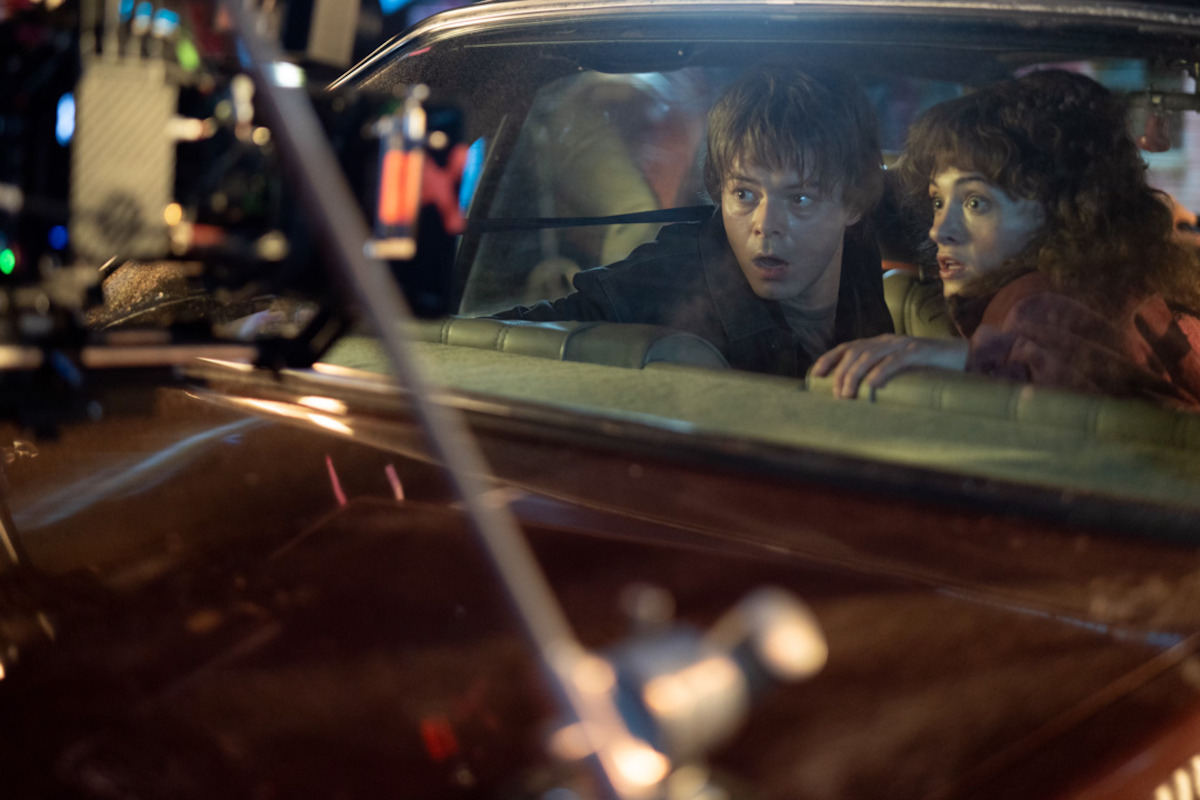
[851, 207]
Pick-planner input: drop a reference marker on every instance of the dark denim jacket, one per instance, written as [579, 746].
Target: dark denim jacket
[688, 279]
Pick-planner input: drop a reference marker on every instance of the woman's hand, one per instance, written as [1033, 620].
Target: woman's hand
[877, 360]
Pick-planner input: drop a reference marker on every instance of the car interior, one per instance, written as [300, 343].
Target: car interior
[584, 130]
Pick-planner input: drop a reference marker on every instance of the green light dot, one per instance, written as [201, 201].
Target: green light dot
[188, 55]
[8, 261]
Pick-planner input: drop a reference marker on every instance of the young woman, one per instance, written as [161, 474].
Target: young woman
[1057, 259]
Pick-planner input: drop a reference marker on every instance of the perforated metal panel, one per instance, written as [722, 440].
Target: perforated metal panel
[123, 162]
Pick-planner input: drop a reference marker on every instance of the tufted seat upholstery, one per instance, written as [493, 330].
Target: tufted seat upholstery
[1097, 415]
[917, 310]
[917, 306]
[608, 343]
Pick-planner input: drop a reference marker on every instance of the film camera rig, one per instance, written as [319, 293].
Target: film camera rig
[141, 189]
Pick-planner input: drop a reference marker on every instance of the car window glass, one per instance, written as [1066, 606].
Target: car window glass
[1176, 168]
[571, 142]
[597, 144]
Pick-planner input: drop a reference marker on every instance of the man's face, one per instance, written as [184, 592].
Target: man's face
[784, 234]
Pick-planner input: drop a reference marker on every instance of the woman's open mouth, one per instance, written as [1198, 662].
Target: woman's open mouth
[950, 270]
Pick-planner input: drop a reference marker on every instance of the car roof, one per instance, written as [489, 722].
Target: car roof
[1123, 27]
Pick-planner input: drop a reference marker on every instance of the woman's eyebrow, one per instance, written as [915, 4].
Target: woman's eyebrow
[972, 178]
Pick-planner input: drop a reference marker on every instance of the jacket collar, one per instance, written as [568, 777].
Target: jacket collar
[971, 312]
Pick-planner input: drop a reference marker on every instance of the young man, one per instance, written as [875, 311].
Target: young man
[784, 269]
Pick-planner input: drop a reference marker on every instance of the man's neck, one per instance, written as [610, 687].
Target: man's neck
[821, 295]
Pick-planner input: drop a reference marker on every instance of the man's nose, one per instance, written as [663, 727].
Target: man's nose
[769, 217]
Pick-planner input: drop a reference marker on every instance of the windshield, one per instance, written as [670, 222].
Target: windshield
[585, 148]
[568, 144]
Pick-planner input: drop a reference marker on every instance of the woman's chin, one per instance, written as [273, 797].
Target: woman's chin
[951, 286]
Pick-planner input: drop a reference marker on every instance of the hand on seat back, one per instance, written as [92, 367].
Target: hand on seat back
[878, 359]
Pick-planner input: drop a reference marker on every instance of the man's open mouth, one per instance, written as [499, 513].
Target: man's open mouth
[770, 264]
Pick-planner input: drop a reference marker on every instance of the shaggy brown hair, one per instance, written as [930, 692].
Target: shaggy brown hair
[1061, 139]
[784, 117]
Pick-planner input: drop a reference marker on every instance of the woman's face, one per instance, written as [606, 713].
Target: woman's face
[977, 226]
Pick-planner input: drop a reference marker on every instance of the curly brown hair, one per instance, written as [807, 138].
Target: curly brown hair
[789, 116]
[1061, 139]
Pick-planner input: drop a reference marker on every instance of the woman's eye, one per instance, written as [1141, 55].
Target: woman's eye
[937, 203]
[977, 203]
[741, 194]
[800, 199]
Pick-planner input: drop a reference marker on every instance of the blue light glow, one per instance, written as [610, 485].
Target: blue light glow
[472, 169]
[392, 6]
[142, 18]
[166, 22]
[126, 10]
[64, 122]
[243, 55]
[58, 237]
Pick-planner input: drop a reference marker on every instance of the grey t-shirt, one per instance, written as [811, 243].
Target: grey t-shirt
[813, 327]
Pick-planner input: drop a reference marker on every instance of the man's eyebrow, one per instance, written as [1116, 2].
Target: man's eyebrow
[804, 186]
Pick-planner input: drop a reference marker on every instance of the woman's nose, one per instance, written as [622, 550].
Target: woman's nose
[946, 228]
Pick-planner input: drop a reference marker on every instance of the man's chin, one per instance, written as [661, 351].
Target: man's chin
[773, 291]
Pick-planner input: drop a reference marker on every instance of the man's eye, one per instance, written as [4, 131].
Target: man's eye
[741, 194]
[937, 203]
[800, 199]
[976, 203]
